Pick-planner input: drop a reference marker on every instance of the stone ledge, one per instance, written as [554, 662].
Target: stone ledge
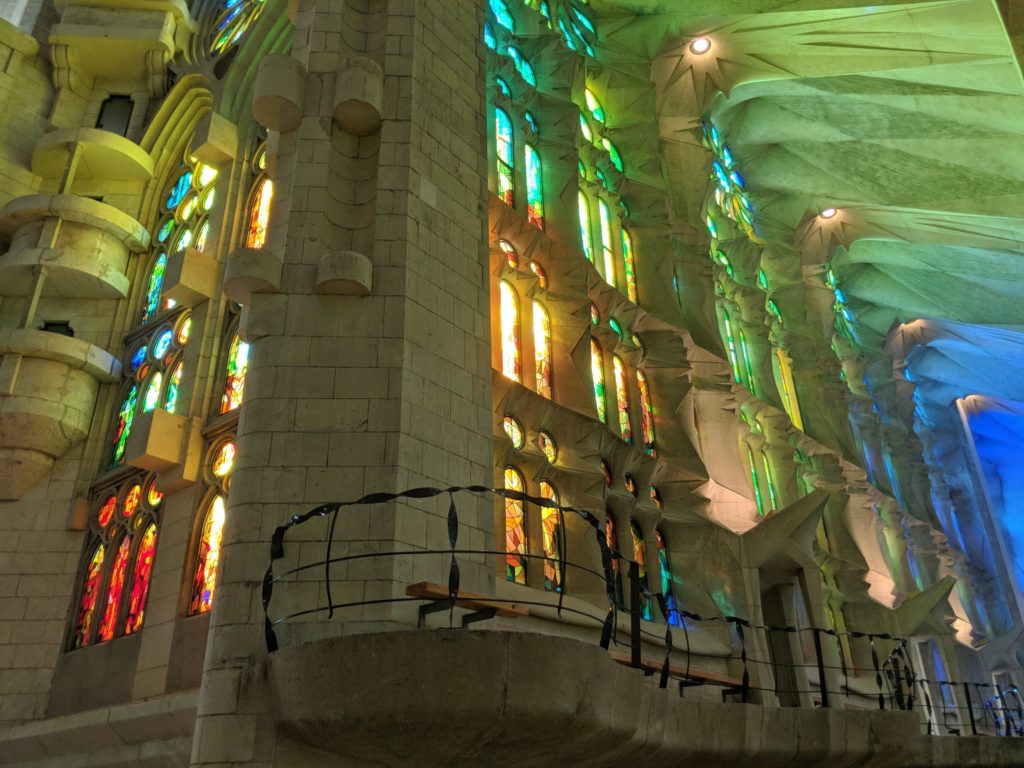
[449, 697]
[81, 210]
[169, 719]
[74, 353]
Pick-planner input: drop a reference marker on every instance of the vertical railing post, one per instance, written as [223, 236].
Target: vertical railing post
[635, 611]
[970, 709]
[821, 667]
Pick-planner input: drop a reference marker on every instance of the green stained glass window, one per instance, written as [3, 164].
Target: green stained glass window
[523, 67]
[597, 373]
[534, 188]
[503, 15]
[125, 416]
[156, 282]
[606, 242]
[594, 106]
[506, 161]
[665, 567]
[237, 17]
[613, 154]
[622, 399]
[586, 236]
[629, 266]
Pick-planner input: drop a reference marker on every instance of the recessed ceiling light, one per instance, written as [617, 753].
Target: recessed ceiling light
[700, 45]
[829, 213]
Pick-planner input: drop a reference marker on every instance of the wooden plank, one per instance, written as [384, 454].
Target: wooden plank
[430, 591]
[679, 670]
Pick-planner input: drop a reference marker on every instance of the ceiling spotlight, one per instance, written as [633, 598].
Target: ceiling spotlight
[700, 45]
[829, 213]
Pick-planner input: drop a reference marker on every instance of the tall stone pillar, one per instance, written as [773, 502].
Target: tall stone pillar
[367, 315]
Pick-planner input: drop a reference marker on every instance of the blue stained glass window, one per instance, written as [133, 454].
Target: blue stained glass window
[523, 67]
[501, 13]
[139, 357]
[179, 190]
[163, 343]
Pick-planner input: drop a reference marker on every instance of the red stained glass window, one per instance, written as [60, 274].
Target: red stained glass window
[90, 595]
[106, 512]
[114, 589]
[204, 582]
[140, 580]
[131, 501]
[515, 529]
[234, 384]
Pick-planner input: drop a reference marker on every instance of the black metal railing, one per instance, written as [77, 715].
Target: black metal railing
[981, 707]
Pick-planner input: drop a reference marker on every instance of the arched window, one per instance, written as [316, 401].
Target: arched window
[502, 14]
[755, 482]
[745, 352]
[789, 398]
[646, 414]
[551, 530]
[606, 242]
[542, 348]
[611, 536]
[665, 567]
[640, 558]
[184, 221]
[769, 480]
[237, 17]
[594, 106]
[259, 204]
[730, 345]
[156, 367]
[204, 580]
[506, 158]
[515, 529]
[622, 399]
[613, 154]
[534, 188]
[629, 266]
[511, 351]
[523, 67]
[121, 512]
[234, 381]
[586, 236]
[597, 372]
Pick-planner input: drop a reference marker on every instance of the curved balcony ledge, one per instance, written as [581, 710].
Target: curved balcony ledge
[442, 698]
[177, 8]
[104, 156]
[68, 274]
[49, 384]
[80, 210]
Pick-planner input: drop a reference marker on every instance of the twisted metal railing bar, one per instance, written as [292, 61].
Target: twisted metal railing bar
[895, 678]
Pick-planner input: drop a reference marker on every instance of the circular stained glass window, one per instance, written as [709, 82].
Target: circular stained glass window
[223, 460]
[514, 430]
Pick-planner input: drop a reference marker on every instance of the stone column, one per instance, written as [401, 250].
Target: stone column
[378, 378]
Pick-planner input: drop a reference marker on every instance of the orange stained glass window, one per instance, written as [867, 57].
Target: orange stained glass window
[597, 372]
[131, 500]
[114, 589]
[606, 242]
[551, 528]
[646, 414]
[612, 538]
[204, 582]
[259, 215]
[515, 529]
[106, 511]
[224, 460]
[622, 399]
[629, 266]
[542, 348]
[640, 557]
[511, 351]
[234, 383]
[140, 580]
[90, 594]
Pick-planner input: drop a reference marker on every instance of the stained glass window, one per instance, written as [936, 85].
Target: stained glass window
[502, 14]
[259, 214]
[606, 242]
[755, 482]
[523, 67]
[114, 588]
[629, 266]
[745, 352]
[152, 399]
[506, 161]
[730, 345]
[90, 596]
[510, 253]
[515, 529]
[665, 567]
[204, 582]
[611, 536]
[594, 106]
[546, 443]
[622, 399]
[551, 529]
[730, 192]
[597, 372]
[586, 238]
[504, 88]
[237, 17]
[514, 430]
[140, 580]
[172, 388]
[534, 188]
[640, 558]
[607, 472]
[489, 39]
[770, 482]
[542, 348]
[234, 382]
[542, 276]
[646, 414]
[125, 416]
[789, 399]
[223, 460]
[655, 496]
[630, 482]
[511, 354]
[613, 154]
[184, 219]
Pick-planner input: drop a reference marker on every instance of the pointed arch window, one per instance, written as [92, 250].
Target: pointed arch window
[542, 349]
[606, 242]
[646, 414]
[551, 530]
[503, 15]
[755, 482]
[515, 529]
[597, 373]
[665, 567]
[511, 350]
[117, 585]
[208, 550]
[586, 235]
[611, 537]
[622, 399]
[259, 205]
[506, 158]
[629, 266]
[640, 558]
[534, 188]
[789, 398]
[234, 382]
[730, 345]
